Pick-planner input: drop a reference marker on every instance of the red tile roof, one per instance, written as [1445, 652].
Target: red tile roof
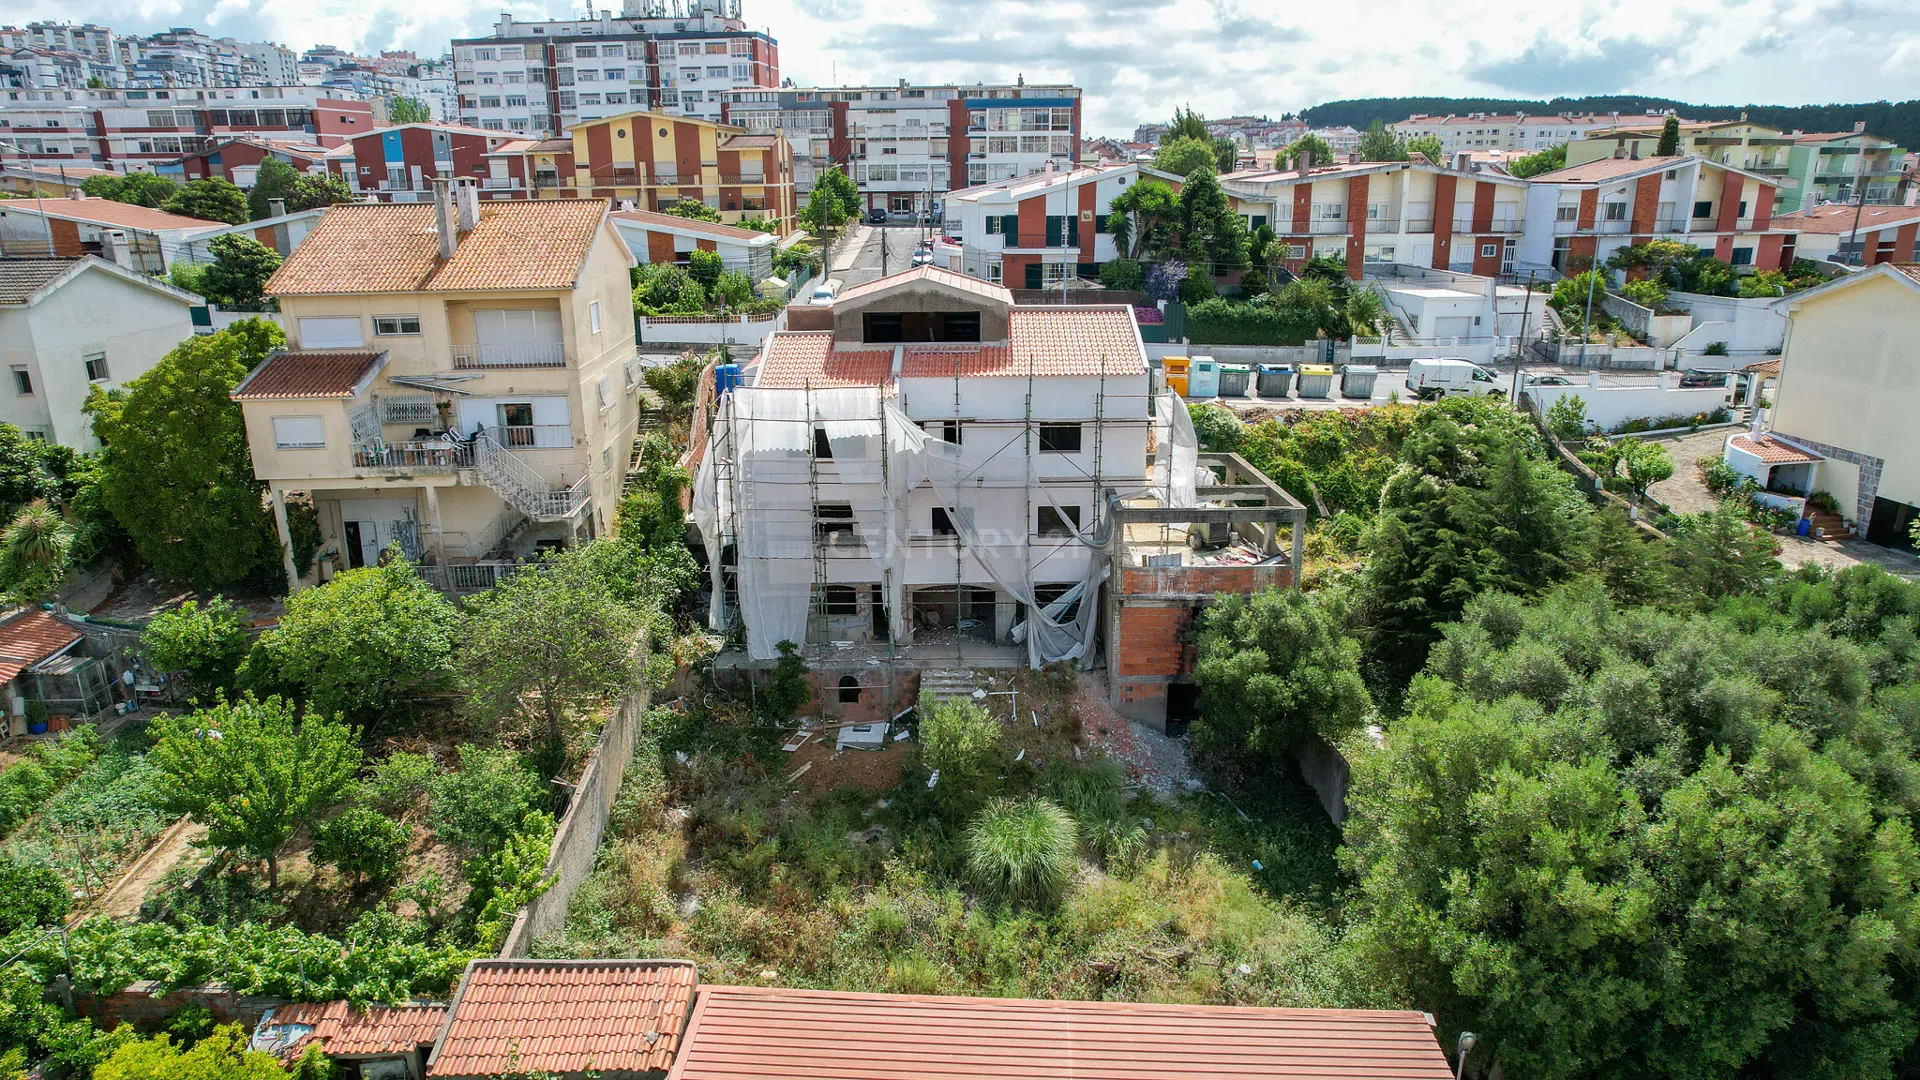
[107, 212]
[800, 358]
[30, 638]
[752, 1033]
[1043, 340]
[565, 1016]
[986, 290]
[379, 1031]
[675, 221]
[320, 373]
[1911, 270]
[395, 247]
[1074, 341]
[1839, 220]
[1771, 451]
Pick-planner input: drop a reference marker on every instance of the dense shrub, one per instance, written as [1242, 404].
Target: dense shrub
[1022, 851]
[1223, 322]
[481, 805]
[30, 895]
[958, 739]
[363, 845]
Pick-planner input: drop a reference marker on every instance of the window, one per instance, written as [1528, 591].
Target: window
[1703, 209]
[22, 381]
[717, 72]
[849, 686]
[593, 315]
[1488, 251]
[944, 430]
[97, 368]
[842, 600]
[822, 447]
[1742, 256]
[396, 325]
[1059, 438]
[1743, 208]
[516, 101]
[942, 524]
[299, 433]
[1616, 211]
[1566, 213]
[1059, 521]
[831, 519]
[615, 74]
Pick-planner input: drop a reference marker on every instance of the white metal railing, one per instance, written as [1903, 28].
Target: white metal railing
[536, 436]
[522, 487]
[413, 456]
[490, 535]
[464, 578]
[498, 183]
[396, 185]
[536, 355]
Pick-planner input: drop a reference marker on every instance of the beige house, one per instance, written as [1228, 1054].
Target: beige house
[456, 381]
[1849, 391]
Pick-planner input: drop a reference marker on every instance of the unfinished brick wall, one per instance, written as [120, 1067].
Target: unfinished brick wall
[140, 1006]
[882, 693]
[1148, 581]
[1150, 628]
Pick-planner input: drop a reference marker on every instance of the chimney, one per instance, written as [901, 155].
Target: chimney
[1462, 160]
[443, 215]
[1859, 127]
[276, 208]
[1353, 157]
[466, 203]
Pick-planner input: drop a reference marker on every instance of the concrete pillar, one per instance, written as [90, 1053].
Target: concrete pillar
[433, 515]
[286, 539]
[1004, 606]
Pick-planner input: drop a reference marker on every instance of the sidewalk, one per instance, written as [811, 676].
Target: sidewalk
[851, 244]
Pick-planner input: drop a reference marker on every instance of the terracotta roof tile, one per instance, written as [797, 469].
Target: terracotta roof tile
[752, 1033]
[378, 1031]
[1073, 341]
[107, 212]
[1839, 220]
[395, 247]
[1608, 169]
[986, 290]
[319, 373]
[795, 359]
[30, 638]
[565, 1016]
[1771, 451]
[1912, 270]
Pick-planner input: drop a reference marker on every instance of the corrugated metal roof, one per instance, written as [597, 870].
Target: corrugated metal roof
[565, 1016]
[319, 373]
[753, 1033]
[395, 247]
[30, 638]
[379, 1031]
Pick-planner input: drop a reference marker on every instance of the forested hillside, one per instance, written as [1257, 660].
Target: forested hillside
[1899, 121]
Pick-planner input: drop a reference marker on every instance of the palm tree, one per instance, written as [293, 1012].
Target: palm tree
[34, 550]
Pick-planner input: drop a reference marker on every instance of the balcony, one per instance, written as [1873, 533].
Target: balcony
[551, 354]
[1419, 225]
[1383, 225]
[412, 457]
[535, 436]
[1497, 225]
[1326, 227]
[742, 179]
[1771, 140]
[1768, 170]
[1718, 140]
[499, 183]
[1613, 227]
[398, 185]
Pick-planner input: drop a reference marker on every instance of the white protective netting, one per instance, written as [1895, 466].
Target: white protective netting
[1176, 456]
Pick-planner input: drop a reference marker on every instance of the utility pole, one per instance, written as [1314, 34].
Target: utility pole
[1520, 346]
[1859, 205]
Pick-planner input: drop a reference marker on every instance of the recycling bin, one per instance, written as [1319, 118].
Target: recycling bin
[1356, 380]
[1176, 374]
[1274, 380]
[1235, 379]
[1203, 380]
[1316, 380]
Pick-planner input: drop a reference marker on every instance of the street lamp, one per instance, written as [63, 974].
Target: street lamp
[1461, 1050]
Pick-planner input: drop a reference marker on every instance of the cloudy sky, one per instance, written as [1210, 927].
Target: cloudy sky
[1137, 59]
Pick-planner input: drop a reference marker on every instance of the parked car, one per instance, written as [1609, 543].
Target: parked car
[877, 216]
[1450, 377]
[824, 293]
[1549, 380]
[1701, 378]
[922, 256]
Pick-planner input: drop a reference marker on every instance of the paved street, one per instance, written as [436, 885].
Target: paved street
[864, 262]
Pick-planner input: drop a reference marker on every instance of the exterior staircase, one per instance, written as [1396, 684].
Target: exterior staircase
[948, 685]
[1825, 526]
[524, 489]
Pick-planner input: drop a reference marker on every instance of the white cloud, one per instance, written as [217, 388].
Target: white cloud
[1140, 58]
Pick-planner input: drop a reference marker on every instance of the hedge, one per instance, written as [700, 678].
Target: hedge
[1222, 322]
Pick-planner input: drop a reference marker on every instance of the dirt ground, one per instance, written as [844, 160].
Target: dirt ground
[139, 599]
[1152, 759]
[1797, 551]
[174, 847]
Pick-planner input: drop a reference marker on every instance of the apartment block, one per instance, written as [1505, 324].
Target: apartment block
[1842, 167]
[1035, 231]
[1388, 212]
[1584, 213]
[677, 56]
[905, 146]
[457, 381]
[139, 130]
[401, 163]
[1492, 131]
[1740, 143]
[1853, 235]
[238, 161]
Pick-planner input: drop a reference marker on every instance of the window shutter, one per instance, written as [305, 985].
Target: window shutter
[1010, 227]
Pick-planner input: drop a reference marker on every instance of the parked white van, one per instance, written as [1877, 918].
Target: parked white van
[825, 292]
[1429, 379]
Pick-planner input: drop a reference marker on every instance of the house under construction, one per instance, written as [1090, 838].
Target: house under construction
[936, 479]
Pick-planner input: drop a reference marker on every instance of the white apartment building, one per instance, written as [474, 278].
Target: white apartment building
[130, 129]
[1491, 131]
[272, 65]
[906, 146]
[1035, 231]
[678, 56]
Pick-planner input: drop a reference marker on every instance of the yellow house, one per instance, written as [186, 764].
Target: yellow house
[1742, 144]
[1849, 391]
[654, 160]
[457, 381]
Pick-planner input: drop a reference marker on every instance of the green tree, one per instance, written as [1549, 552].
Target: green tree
[408, 110]
[213, 199]
[733, 288]
[238, 275]
[1309, 151]
[1766, 283]
[479, 807]
[832, 202]
[704, 267]
[1430, 147]
[222, 1055]
[1379, 144]
[273, 180]
[1717, 555]
[1567, 418]
[312, 191]
[360, 644]
[205, 644]
[1212, 236]
[1669, 143]
[175, 471]
[1647, 463]
[1186, 124]
[138, 188]
[549, 643]
[1183, 157]
[36, 551]
[363, 844]
[695, 210]
[666, 289]
[1123, 274]
[1146, 213]
[1273, 669]
[32, 469]
[251, 774]
[1366, 312]
[1540, 161]
[1647, 292]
